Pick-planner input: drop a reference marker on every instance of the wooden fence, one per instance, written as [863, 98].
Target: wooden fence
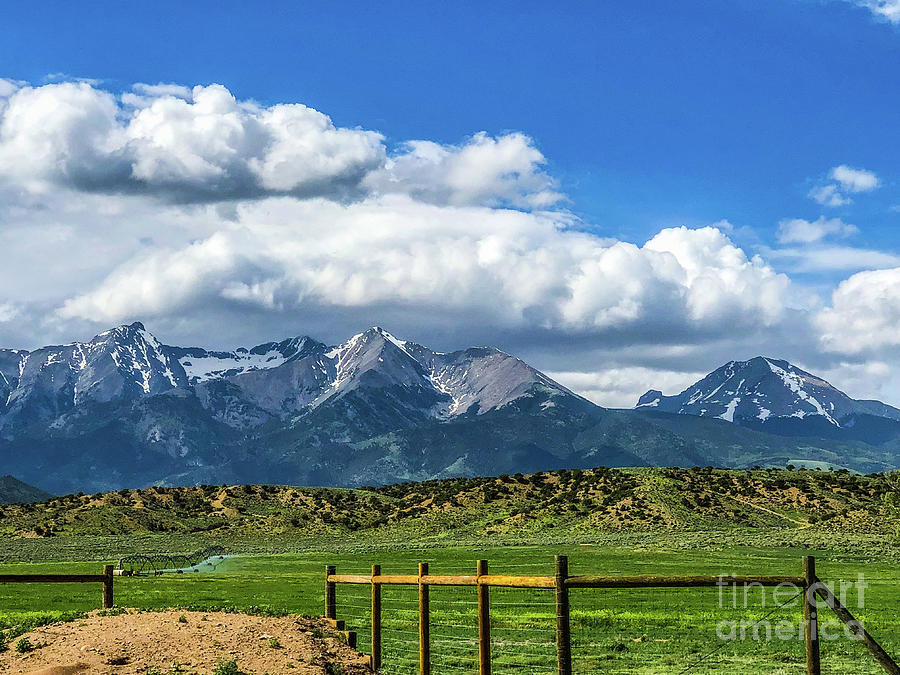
[561, 583]
[106, 579]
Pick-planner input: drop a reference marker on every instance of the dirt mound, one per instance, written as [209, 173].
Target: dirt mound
[163, 642]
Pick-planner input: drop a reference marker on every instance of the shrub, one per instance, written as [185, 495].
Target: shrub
[226, 668]
[24, 646]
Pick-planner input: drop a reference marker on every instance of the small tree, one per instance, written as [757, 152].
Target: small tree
[890, 500]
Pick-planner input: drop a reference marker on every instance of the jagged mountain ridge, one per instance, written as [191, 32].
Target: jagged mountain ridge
[125, 410]
[154, 412]
[281, 380]
[776, 396]
[124, 362]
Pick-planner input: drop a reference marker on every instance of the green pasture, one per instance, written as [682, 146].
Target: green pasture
[614, 631]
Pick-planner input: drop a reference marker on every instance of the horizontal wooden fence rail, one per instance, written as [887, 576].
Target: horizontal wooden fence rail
[561, 582]
[106, 579]
[678, 582]
[507, 581]
[443, 580]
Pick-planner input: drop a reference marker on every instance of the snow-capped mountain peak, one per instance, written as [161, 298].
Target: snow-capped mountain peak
[122, 363]
[374, 350]
[136, 354]
[762, 391]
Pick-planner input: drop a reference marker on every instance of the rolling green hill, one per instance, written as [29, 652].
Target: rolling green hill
[573, 505]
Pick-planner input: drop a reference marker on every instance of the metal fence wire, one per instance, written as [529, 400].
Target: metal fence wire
[687, 630]
[523, 630]
[454, 629]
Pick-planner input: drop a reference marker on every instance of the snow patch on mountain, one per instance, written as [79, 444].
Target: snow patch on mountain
[201, 365]
[218, 364]
[728, 415]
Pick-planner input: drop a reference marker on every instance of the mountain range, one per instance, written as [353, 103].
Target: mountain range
[125, 410]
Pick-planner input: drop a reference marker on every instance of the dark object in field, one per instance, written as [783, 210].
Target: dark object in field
[156, 563]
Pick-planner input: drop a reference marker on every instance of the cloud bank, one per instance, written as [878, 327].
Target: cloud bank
[217, 220]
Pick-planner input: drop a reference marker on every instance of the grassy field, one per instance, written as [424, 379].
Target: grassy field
[646, 631]
[632, 521]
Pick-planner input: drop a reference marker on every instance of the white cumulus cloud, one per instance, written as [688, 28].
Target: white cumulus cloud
[864, 316]
[845, 181]
[829, 195]
[799, 231]
[204, 145]
[484, 170]
[854, 180]
[209, 146]
[620, 387]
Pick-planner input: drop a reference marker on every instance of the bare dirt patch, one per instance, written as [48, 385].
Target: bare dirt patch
[136, 643]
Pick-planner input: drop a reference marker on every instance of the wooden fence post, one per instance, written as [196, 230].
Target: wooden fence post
[810, 617]
[376, 619]
[484, 622]
[424, 625]
[107, 587]
[563, 627]
[330, 593]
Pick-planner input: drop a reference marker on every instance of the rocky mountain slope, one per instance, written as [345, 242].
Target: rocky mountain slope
[125, 410]
[777, 397]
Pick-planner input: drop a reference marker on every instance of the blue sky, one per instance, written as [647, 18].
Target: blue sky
[649, 112]
[647, 116]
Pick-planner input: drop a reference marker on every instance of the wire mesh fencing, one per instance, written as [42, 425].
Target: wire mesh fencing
[687, 630]
[399, 629]
[454, 629]
[355, 603]
[846, 655]
[523, 630]
[870, 601]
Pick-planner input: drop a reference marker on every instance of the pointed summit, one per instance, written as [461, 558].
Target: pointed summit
[764, 392]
